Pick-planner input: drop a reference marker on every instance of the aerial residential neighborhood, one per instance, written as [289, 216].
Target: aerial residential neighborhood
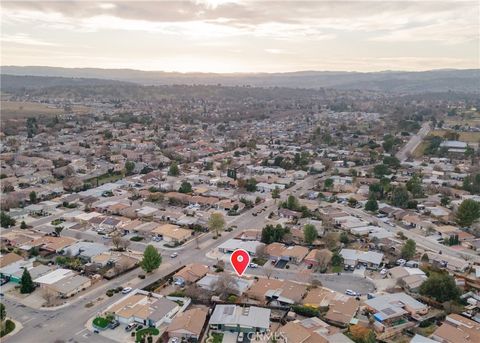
[220, 171]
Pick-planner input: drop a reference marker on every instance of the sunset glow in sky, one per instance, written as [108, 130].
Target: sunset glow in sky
[242, 36]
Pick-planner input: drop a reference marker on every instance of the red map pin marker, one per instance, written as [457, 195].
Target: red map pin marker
[240, 259]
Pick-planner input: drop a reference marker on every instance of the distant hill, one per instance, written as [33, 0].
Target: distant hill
[14, 82]
[467, 80]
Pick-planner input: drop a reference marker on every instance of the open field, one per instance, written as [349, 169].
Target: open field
[19, 109]
[468, 137]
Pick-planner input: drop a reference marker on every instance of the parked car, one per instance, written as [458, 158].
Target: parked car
[240, 337]
[127, 290]
[383, 271]
[174, 255]
[401, 262]
[130, 327]
[113, 325]
[253, 265]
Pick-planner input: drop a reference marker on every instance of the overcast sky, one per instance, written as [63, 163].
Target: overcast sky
[243, 35]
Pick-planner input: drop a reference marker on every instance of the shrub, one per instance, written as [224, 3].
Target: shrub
[306, 311]
[109, 293]
[136, 239]
[8, 327]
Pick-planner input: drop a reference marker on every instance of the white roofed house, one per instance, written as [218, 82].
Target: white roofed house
[146, 308]
[370, 259]
[231, 245]
[63, 282]
[235, 318]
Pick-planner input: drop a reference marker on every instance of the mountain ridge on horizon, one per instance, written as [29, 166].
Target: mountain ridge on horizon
[438, 80]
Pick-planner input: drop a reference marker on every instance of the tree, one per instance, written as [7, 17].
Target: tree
[72, 183]
[328, 183]
[7, 187]
[344, 238]
[26, 283]
[6, 220]
[309, 233]
[440, 287]
[292, 203]
[276, 193]
[119, 243]
[408, 249]
[414, 185]
[174, 171]
[352, 202]
[225, 285]
[381, 170]
[400, 197]
[216, 223]
[251, 185]
[445, 200]
[272, 233]
[3, 312]
[391, 161]
[472, 183]
[331, 240]
[468, 212]
[23, 225]
[151, 259]
[185, 187]
[371, 205]
[323, 258]
[361, 334]
[58, 230]
[129, 167]
[337, 259]
[33, 197]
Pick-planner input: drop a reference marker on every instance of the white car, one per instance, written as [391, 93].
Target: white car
[351, 293]
[401, 262]
[253, 265]
[383, 271]
[174, 255]
[127, 290]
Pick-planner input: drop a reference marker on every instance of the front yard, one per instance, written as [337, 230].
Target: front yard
[140, 334]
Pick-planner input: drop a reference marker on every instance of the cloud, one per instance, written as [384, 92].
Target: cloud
[25, 39]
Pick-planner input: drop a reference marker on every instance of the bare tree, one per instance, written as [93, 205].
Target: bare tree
[331, 240]
[323, 257]
[120, 243]
[226, 284]
[260, 252]
[49, 296]
[268, 271]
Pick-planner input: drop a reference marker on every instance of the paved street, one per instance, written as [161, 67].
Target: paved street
[413, 143]
[68, 323]
[420, 240]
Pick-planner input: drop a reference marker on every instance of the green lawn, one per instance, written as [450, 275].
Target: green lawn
[259, 261]
[146, 331]
[217, 337]
[9, 326]
[337, 269]
[101, 322]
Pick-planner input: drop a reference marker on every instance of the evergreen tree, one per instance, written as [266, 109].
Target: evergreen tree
[174, 171]
[26, 283]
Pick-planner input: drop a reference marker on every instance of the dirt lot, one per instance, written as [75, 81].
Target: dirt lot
[18, 109]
